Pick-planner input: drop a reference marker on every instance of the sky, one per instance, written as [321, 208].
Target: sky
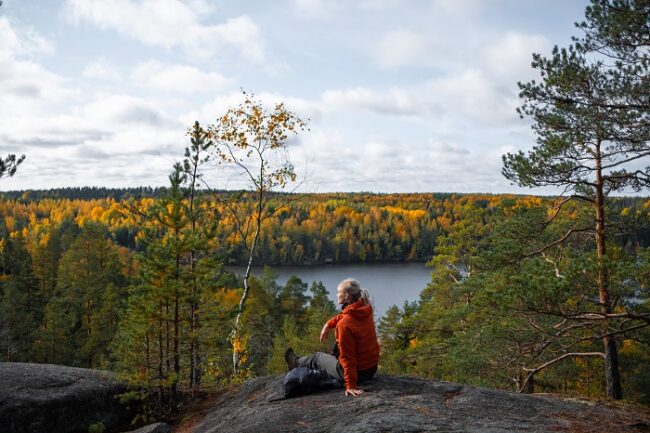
[401, 96]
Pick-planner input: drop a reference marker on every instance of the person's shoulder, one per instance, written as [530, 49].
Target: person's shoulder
[343, 319]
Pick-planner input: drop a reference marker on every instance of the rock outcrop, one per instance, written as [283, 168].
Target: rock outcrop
[398, 404]
[42, 398]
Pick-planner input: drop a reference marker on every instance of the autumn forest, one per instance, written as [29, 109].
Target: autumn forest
[528, 293]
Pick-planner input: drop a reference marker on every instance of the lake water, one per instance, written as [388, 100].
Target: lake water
[389, 283]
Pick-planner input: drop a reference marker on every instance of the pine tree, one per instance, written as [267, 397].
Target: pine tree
[592, 120]
[9, 165]
[293, 300]
[21, 309]
[88, 269]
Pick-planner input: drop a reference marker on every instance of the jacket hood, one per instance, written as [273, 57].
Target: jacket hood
[358, 310]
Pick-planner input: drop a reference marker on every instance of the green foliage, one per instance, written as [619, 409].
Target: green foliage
[78, 326]
[287, 337]
[97, 427]
[292, 299]
[21, 309]
[592, 123]
[396, 335]
[492, 312]
[161, 335]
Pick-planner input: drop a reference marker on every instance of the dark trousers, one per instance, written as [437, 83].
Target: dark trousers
[329, 364]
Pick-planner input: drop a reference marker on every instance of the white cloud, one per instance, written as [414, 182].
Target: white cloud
[117, 140]
[474, 96]
[243, 34]
[376, 152]
[378, 4]
[400, 48]
[463, 8]
[392, 102]
[102, 69]
[123, 112]
[434, 118]
[444, 150]
[48, 131]
[508, 58]
[25, 85]
[177, 78]
[471, 97]
[326, 160]
[21, 42]
[107, 119]
[394, 165]
[315, 8]
[171, 24]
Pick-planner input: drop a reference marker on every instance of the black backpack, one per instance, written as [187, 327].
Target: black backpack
[304, 380]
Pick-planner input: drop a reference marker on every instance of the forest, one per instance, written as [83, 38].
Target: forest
[527, 293]
[93, 283]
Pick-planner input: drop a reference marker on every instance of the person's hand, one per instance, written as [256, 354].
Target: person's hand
[353, 392]
[324, 333]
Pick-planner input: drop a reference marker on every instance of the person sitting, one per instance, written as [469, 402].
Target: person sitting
[356, 340]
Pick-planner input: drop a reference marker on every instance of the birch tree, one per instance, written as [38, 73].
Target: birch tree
[253, 141]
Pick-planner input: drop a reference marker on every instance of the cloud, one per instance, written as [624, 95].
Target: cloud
[474, 96]
[47, 131]
[444, 150]
[177, 78]
[403, 48]
[378, 4]
[77, 166]
[471, 97]
[463, 8]
[22, 42]
[26, 86]
[315, 8]
[394, 165]
[116, 140]
[102, 69]
[392, 102]
[508, 58]
[171, 24]
[481, 90]
[331, 9]
[124, 111]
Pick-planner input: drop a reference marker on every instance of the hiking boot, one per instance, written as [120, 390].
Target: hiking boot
[291, 359]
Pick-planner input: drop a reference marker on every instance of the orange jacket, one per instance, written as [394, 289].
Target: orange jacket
[357, 340]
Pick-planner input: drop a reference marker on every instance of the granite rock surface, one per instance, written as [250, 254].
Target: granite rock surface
[400, 404]
[44, 398]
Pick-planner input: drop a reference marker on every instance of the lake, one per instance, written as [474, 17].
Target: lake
[389, 283]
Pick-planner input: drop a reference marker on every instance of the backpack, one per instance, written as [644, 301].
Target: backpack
[304, 380]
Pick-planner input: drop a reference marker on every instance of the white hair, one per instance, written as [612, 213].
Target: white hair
[353, 288]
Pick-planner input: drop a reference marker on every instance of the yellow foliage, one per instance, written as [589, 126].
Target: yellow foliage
[96, 213]
[408, 213]
[81, 219]
[229, 297]
[10, 222]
